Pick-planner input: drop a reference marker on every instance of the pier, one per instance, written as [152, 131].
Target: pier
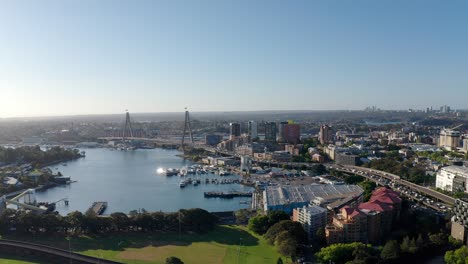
[228, 195]
[99, 207]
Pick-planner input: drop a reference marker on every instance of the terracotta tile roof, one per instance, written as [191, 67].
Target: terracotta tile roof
[376, 206]
[389, 198]
[384, 190]
[350, 212]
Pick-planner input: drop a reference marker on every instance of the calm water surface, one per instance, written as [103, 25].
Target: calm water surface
[127, 180]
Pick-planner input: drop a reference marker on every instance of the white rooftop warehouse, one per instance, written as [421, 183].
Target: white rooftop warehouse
[286, 198]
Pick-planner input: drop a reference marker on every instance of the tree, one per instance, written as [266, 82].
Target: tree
[408, 245]
[439, 240]
[242, 216]
[259, 224]
[279, 261]
[338, 253]
[286, 245]
[320, 238]
[368, 187]
[120, 221]
[420, 243]
[174, 260]
[458, 256]
[277, 216]
[391, 251]
[294, 229]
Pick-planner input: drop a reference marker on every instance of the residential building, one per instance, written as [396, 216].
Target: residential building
[366, 222]
[465, 145]
[460, 221]
[292, 133]
[212, 139]
[326, 134]
[281, 136]
[294, 150]
[351, 223]
[312, 218]
[235, 130]
[270, 131]
[317, 158]
[449, 139]
[330, 151]
[252, 129]
[346, 159]
[452, 178]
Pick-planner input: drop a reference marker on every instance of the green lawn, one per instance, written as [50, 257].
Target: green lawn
[225, 244]
[10, 259]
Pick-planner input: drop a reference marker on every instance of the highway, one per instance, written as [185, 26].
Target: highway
[368, 173]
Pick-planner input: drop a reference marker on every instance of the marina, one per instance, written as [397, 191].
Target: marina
[132, 180]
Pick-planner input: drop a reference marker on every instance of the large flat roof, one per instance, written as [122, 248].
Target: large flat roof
[279, 195]
[463, 171]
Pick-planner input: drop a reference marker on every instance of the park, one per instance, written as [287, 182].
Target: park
[224, 244]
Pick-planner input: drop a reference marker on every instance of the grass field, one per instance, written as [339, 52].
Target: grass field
[225, 244]
[9, 259]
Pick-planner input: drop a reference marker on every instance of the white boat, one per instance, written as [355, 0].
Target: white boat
[182, 184]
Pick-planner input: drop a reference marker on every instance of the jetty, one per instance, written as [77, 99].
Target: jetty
[228, 195]
[99, 207]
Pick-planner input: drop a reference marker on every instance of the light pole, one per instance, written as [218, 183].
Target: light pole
[238, 250]
[69, 248]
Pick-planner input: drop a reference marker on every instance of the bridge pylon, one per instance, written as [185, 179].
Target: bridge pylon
[128, 127]
[189, 128]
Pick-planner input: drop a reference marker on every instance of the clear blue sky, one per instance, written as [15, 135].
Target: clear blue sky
[84, 57]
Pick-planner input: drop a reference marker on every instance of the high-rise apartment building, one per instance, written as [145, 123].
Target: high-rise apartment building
[292, 133]
[452, 179]
[270, 131]
[312, 219]
[280, 136]
[349, 225]
[252, 129]
[326, 134]
[449, 139]
[235, 130]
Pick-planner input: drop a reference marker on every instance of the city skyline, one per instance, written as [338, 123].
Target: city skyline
[87, 57]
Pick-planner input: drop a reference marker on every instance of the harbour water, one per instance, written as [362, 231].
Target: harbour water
[128, 180]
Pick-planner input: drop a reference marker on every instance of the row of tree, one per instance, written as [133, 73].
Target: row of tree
[77, 223]
[405, 169]
[407, 250]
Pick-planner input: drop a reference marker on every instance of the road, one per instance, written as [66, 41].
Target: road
[366, 172]
[59, 255]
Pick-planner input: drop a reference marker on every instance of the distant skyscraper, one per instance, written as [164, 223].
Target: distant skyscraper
[235, 130]
[270, 131]
[280, 136]
[445, 109]
[252, 129]
[292, 133]
[326, 134]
